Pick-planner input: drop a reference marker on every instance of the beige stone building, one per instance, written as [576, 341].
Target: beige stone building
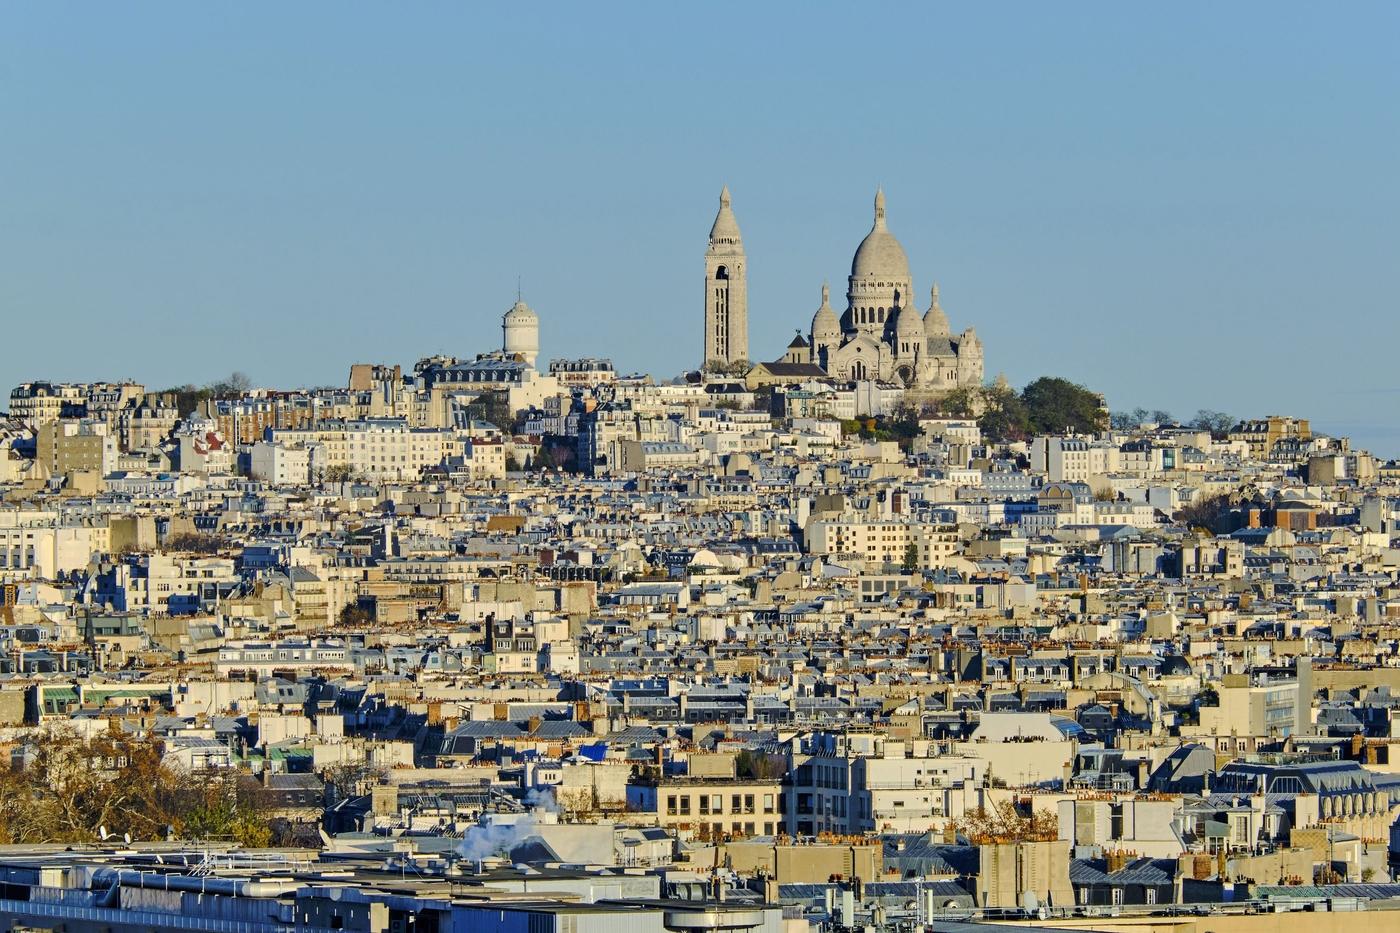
[707, 807]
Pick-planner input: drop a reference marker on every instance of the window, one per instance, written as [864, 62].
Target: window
[1117, 897]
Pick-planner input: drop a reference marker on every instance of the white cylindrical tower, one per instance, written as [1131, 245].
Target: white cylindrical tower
[521, 327]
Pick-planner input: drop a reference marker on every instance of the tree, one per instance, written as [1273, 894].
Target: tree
[72, 789]
[1122, 421]
[762, 399]
[1162, 417]
[354, 778]
[1004, 418]
[187, 398]
[1206, 512]
[231, 386]
[959, 403]
[911, 558]
[355, 616]
[338, 473]
[1054, 405]
[494, 407]
[1004, 823]
[195, 542]
[1216, 422]
[544, 460]
[755, 765]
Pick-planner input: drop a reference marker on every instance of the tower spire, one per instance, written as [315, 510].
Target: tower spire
[880, 207]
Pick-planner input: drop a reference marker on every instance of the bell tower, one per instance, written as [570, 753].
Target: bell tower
[726, 290]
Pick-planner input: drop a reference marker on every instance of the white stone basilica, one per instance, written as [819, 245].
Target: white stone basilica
[882, 335]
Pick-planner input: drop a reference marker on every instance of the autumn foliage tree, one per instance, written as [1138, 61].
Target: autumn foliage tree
[1004, 823]
[72, 788]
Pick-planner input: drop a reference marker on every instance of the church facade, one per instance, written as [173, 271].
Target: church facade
[881, 335]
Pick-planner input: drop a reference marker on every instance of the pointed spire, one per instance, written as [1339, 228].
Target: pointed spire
[879, 207]
[826, 295]
[725, 232]
[935, 321]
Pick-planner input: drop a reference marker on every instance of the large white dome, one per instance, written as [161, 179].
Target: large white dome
[879, 255]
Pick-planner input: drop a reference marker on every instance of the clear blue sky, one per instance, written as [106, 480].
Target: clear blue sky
[1182, 205]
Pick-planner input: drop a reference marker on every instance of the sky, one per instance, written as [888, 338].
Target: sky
[1182, 206]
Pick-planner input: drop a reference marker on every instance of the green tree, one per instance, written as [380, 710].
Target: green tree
[911, 558]
[1054, 405]
[1004, 418]
[960, 403]
[187, 398]
[544, 460]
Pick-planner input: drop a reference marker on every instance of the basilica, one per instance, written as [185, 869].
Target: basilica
[881, 335]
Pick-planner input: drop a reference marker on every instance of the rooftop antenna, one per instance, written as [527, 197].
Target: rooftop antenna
[517, 289]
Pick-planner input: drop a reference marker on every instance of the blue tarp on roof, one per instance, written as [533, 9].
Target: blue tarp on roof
[594, 752]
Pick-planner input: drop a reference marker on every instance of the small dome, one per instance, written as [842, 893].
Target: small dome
[879, 254]
[520, 313]
[935, 321]
[908, 326]
[725, 231]
[825, 323]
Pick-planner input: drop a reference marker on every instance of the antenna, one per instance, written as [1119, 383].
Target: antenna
[517, 289]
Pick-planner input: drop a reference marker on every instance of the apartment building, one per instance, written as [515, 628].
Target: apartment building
[380, 448]
[884, 541]
[709, 807]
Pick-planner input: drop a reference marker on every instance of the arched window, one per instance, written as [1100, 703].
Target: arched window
[880, 316]
[722, 273]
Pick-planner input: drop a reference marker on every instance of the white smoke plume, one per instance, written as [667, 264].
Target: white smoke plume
[542, 798]
[485, 840]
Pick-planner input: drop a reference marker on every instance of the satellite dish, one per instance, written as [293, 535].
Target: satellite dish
[126, 838]
[102, 833]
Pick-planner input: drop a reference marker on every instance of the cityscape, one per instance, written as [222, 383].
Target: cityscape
[851, 630]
